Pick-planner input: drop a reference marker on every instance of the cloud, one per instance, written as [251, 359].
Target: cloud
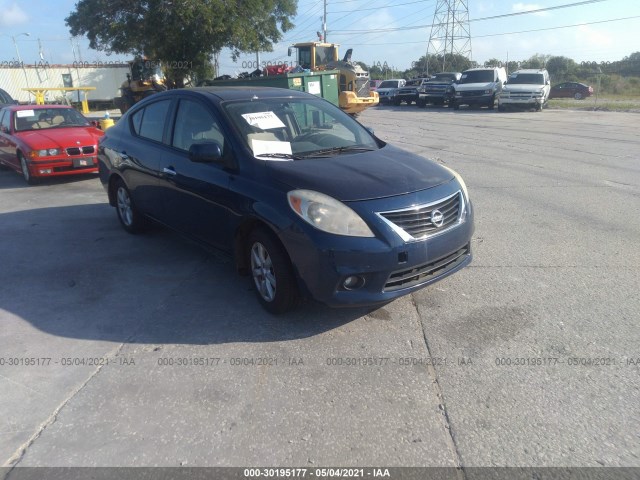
[525, 7]
[11, 14]
[589, 36]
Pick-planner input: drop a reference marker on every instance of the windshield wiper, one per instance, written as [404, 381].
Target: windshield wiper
[278, 155]
[337, 150]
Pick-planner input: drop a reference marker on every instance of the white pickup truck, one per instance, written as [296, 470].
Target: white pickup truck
[526, 88]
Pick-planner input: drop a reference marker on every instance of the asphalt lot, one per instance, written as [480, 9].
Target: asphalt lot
[529, 357]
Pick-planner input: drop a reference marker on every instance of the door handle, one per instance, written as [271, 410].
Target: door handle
[169, 171]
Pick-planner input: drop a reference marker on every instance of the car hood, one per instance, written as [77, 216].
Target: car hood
[523, 87]
[474, 86]
[61, 137]
[386, 172]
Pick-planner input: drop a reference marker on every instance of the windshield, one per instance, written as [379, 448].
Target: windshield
[45, 118]
[477, 76]
[526, 78]
[294, 129]
[389, 84]
[443, 77]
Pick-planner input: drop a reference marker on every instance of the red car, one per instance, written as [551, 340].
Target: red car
[47, 140]
[579, 91]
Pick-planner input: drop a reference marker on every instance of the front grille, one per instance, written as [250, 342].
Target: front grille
[436, 89]
[416, 223]
[424, 273]
[362, 87]
[80, 150]
[471, 93]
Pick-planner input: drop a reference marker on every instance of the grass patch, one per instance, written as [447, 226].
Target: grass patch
[611, 103]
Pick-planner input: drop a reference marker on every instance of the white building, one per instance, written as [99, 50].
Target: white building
[106, 78]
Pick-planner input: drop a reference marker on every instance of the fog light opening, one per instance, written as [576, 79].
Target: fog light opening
[353, 282]
[45, 171]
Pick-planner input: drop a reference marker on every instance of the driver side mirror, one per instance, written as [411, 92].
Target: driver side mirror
[205, 152]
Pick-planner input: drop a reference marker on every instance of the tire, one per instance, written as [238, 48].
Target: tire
[26, 174]
[455, 106]
[130, 219]
[272, 273]
[397, 102]
[501, 108]
[421, 103]
[492, 103]
[578, 96]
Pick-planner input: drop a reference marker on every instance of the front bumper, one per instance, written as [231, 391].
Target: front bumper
[531, 101]
[390, 267]
[474, 99]
[62, 165]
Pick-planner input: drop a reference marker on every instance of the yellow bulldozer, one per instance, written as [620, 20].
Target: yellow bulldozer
[354, 92]
[145, 78]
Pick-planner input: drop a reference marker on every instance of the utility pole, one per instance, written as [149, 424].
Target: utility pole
[324, 23]
[450, 33]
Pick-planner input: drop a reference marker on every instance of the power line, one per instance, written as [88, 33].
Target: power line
[522, 31]
[576, 4]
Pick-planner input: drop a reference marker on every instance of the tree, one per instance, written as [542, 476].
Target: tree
[181, 34]
[561, 68]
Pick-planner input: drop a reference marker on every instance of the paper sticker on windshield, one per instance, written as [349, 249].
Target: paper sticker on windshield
[25, 113]
[263, 120]
[260, 147]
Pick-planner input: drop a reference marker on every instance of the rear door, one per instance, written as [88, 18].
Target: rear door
[142, 152]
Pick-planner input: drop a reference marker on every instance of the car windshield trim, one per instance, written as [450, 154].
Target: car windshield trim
[35, 119]
[292, 129]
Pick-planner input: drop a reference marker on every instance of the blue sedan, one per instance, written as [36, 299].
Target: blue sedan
[309, 201]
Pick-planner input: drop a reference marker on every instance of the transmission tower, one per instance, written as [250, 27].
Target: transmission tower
[450, 33]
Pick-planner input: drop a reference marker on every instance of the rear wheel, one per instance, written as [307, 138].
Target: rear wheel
[130, 219]
[272, 273]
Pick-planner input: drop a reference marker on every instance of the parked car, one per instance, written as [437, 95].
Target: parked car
[409, 93]
[47, 141]
[479, 87]
[579, 91]
[388, 90]
[6, 99]
[439, 89]
[526, 88]
[310, 202]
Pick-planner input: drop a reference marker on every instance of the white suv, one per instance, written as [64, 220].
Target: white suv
[527, 88]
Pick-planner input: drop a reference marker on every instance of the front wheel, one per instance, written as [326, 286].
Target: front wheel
[578, 96]
[272, 273]
[26, 174]
[130, 219]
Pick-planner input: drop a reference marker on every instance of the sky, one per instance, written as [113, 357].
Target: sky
[396, 32]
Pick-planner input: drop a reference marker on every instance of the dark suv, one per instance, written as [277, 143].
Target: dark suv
[409, 93]
[439, 89]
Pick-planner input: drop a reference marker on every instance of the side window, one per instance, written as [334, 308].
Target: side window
[195, 124]
[149, 122]
[4, 120]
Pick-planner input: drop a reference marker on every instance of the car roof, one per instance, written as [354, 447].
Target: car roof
[530, 70]
[243, 92]
[38, 107]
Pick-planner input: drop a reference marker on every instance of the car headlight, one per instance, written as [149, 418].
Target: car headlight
[488, 92]
[49, 152]
[327, 214]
